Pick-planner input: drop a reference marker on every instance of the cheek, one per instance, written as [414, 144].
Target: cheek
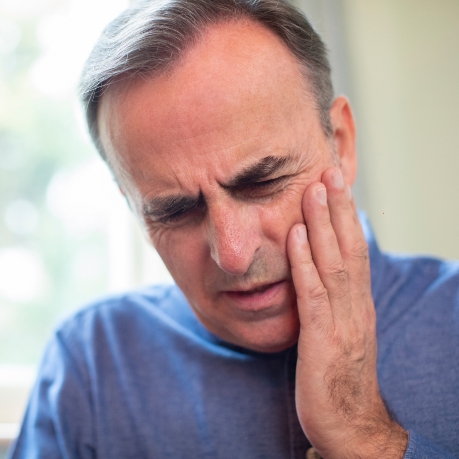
[278, 217]
[182, 252]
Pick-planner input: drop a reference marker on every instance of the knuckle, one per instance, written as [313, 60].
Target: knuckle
[316, 295]
[359, 251]
[337, 274]
[305, 264]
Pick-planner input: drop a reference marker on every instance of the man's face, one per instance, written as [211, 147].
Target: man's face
[214, 158]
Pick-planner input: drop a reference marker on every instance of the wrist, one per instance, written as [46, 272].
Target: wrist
[386, 440]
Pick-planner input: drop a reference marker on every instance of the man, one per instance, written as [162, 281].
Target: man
[217, 120]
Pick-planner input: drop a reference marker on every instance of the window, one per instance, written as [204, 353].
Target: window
[66, 234]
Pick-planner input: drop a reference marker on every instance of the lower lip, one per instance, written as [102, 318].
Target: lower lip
[259, 300]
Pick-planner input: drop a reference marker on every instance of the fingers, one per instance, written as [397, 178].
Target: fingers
[337, 244]
[344, 219]
[312, 297]
[337, 342]
[349, 234]
[326, 251]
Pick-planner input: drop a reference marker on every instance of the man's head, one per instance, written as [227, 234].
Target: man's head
[214, 152]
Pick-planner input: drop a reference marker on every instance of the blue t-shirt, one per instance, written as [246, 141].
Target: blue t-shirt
[137, 376]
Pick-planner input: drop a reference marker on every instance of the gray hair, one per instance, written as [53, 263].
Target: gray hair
[150, 36]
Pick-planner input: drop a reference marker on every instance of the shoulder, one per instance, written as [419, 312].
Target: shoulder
[126, 317]
[415, 278]
[148, 300]
[413, 292]
[401, 281]
[409, 286]
[419, 292]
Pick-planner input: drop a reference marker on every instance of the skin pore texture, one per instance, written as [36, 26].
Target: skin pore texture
[224, 161]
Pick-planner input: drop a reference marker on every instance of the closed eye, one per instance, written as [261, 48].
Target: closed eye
[178, 209]
[168, 210]
[260, 189]
[182, 214]
[268, 183]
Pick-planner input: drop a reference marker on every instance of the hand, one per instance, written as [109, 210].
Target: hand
[337, 394]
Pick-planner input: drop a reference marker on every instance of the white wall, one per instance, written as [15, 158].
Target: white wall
[401, 71]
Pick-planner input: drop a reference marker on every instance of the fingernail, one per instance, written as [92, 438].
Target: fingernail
[348, 192]
[301, 234]
[337, 180]
[321, 195]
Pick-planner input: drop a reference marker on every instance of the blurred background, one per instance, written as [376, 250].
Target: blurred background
[66, 235]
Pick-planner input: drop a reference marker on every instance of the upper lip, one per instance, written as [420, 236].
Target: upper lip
[252, 288]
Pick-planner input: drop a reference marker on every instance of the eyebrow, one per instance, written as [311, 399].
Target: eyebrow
[161, 207]
[259, 171]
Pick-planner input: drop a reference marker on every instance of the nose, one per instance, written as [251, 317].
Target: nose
[234, 236]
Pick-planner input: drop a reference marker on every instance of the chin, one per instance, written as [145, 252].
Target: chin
[271, 345]
[271, 336]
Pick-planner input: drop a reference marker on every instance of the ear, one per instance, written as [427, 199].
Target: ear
[344, 138]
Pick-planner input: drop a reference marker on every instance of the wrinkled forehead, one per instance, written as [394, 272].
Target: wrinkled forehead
[239, 82]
